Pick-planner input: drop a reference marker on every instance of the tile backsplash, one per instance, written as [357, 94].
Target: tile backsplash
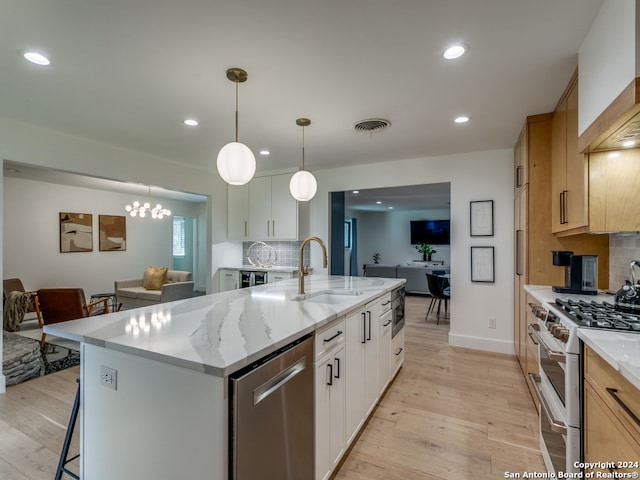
[623, 248]
[286, 253]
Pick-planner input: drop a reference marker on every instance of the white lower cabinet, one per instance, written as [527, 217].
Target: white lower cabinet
[330, 400]
[384, 349]
[362, 365]
[355, 359]
[229, 279]
[278, 276]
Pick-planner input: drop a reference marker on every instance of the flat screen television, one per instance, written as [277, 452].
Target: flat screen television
[433, 232]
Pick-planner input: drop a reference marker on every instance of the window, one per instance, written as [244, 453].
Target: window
[178, 237]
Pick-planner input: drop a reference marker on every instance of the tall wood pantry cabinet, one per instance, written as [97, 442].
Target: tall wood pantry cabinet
[533, 237]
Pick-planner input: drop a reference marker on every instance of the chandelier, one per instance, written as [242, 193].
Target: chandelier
[136, 209]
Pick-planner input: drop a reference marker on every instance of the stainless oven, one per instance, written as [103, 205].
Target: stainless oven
[397, 310]
[558, 390]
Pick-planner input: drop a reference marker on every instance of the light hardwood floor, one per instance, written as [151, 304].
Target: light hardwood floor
[451, 413]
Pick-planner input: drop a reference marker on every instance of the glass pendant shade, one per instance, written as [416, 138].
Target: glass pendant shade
[236, 163]
[303, 186]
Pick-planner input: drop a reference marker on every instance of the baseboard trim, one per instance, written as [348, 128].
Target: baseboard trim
[3, 383]
[480, 343]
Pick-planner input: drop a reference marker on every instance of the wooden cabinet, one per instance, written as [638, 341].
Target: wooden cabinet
[238, 212]
[229, 279]
[533, 239]
[611, 411]
[362, 366]
[614, 178]
[520, 162]
[569, 172]
[330, 398]
[264, 209]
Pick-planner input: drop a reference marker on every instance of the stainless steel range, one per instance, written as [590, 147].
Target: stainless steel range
[558, 385]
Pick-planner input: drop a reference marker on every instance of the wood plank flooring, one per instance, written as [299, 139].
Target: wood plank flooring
[451, 413]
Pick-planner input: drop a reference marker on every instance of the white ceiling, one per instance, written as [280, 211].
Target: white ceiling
[128, 72]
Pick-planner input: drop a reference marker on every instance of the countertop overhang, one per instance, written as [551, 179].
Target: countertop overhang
[619, 349]
[220, 333]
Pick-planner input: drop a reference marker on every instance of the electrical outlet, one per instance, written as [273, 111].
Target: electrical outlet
[492, 323]
[109, 377]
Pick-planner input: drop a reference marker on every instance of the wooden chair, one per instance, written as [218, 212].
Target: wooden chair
[15, 285]
[437, 286]
[62, 304]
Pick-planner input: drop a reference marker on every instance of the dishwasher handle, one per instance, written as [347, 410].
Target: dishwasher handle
[273, 384]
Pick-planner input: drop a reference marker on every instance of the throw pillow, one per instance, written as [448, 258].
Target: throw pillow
[154, 278]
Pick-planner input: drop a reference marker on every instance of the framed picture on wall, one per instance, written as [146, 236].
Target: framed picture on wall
[76, 232]
[481, 218]
[112, 233]
[482, 264]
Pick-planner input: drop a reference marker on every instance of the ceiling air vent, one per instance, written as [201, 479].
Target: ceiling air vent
[372, 125]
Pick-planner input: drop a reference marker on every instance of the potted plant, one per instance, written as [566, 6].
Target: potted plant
[426, 251]
[376, 257]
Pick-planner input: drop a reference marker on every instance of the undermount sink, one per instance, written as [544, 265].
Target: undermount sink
[328, 297]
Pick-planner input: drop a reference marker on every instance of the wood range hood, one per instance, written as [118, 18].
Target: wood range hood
[618, 123]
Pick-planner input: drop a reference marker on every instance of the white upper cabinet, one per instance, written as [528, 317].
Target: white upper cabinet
[607, 59]
[265, 210]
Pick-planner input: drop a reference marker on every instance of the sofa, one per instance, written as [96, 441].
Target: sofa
[178, 285]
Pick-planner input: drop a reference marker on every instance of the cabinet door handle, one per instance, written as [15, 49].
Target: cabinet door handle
[245, 228]
[273, 228]
[267, 228]
[518, 252]
[369, 321]
[336, 361]
[518, 176]
[327, 340]
[614, 393]
[386, 324]
[399, 351]
[330, 374]
[364, 328]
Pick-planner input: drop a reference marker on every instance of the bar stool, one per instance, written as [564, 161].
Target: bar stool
[62, 464]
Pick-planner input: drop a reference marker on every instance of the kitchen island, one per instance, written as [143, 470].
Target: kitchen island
[154, 380]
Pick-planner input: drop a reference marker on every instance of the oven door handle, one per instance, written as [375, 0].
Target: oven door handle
[555, 425]
[554, 355]
[533, 329]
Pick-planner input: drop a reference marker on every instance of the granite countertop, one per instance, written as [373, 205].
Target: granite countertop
[621, 350]
[220, 333]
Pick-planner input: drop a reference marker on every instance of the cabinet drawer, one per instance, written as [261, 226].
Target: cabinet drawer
[397, 352]
[385, 303]
[606, 440]
[329, 337]
[614, 390]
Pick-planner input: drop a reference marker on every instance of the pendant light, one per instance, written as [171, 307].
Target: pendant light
[303, 184]
[236, 162]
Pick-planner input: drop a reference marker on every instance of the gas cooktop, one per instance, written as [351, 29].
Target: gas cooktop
[599, 315]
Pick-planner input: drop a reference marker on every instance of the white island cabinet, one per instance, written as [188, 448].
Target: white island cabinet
[165, 414]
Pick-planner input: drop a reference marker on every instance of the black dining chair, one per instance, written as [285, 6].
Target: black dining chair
[437, 287]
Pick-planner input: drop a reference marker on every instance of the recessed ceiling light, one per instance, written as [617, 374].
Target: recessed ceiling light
[190, 122]
[378, 202]
[455, 51]
[264, 152]
[356, 191]
[462, 119]
[390, 208]
[628, 143]
[35, 57]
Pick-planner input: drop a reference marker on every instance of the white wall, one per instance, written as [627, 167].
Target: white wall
[606, 59]
[388, 233]
[473, 176]
[31, 237]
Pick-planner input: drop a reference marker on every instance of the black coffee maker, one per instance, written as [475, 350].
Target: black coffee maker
[581, 272]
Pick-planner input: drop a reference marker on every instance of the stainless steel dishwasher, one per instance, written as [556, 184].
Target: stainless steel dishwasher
[271, 416]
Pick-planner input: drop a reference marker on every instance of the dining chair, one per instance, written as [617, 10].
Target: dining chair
[438, 288]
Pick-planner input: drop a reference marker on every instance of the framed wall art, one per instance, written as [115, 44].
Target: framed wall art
[482, 264]
[112, 233]
[76, 232]
[481, 217]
